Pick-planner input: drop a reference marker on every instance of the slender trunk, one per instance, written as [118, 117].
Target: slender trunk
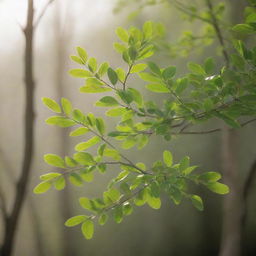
[13, 218]
[65, 196]
[232, 204]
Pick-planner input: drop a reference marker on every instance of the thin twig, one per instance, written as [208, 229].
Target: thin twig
[41, 14]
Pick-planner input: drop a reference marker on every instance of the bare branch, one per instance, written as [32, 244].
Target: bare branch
[3, 206]
[41, 14]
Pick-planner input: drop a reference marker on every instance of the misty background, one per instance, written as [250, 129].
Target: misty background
[172, 230]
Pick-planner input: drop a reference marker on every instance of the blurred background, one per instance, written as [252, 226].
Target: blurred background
[66, 24]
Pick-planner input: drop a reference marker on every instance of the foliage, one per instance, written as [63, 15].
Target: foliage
[205, 92]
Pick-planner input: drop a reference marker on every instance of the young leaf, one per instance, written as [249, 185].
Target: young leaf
[88, 229]
[60, 121]
[82, 53]
[154, 68]
[103, 219]
[138, 68]
[169, 72]
[52, 105]
[82, 73]
[122, 34]
[66, 106]
[159, 88]
[42, 187]
[79, 131]
[54, 160]
[84, 158]
[218, 188]
[85, 145]
[100, 125]
[92, 64]
[167, 155]
[75, 179]
[76, 220]
[113, 78]
[103, 69]
[107, 101]
[197, 202]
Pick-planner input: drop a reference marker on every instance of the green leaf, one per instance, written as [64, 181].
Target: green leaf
[244, 29]
[60, 183]
[79, 131]
[138, 68]
[218, 188]
[66, 106]
[103, 219]
[209, 66]
[132, 53]
[87, 176]
[50, 176]
[159, 88]
[70, 162]
[126, 96]
[116, 112]
[84, 158]
[122, 34]
[78, 115]
[169, 72]
[209, 177]
[76, 220]
[77, 60]
[100, 125]
[228, 120]
[82, 53]
[121, 74]
[118, 214]
[127, 209]
[92, 88]
[113, 78]
[88, 229]
[92, 65]
[196, 68]
[184, 163]
[75, 179]
[86, 203]
[197, 202]
[153, 202]
[154, 68]
[54, 160]
[137, 97]
[107, 101]
[42, 187]
[103, 69]
[120, 48]
[60, 121]
[85, 145]
[149, 77]
[167, 155]
[52, 105]
[181, 85]
[148, 29]
[82, 73]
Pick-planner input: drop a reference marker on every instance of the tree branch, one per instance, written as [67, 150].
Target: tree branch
[41, 14]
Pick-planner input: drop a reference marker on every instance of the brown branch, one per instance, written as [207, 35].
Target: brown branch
[218, 31]
[3, 206]
[213, 130]
[21, 187]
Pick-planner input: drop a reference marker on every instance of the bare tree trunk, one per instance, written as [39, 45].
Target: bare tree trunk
[13, 218]
[68, 244]
[232, 204]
